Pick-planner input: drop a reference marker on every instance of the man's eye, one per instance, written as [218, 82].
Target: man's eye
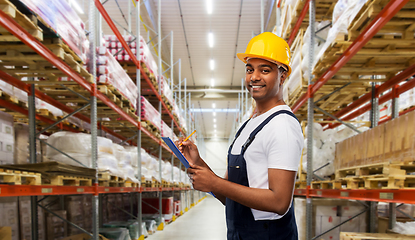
[265, 70]
[248, 70]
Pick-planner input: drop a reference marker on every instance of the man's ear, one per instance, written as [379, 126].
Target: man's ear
[283, 77]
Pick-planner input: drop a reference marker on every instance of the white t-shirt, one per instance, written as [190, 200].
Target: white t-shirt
[278, 145]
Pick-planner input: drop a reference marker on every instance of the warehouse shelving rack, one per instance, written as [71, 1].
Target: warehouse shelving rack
[28, 190]
[354, 110]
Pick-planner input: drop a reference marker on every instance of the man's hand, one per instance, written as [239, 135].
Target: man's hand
[202, 178]
[190, 152]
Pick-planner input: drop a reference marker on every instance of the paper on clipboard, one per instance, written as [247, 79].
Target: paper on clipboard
[176, 151]
[178, 154]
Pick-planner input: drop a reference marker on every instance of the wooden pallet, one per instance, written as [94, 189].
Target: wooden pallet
[370, 236]
[107, 179]
[324, 11]
[20, 61]
[155, 183]
[145, 183]
[151, 128]
[15, 177]
[387, 169]
[328, 184]
[27, 22]
[62, 180]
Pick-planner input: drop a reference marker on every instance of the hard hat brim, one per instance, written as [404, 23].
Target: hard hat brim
[244, 56]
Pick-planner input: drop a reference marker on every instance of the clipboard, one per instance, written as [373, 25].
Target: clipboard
[178, 154]
[176, 151]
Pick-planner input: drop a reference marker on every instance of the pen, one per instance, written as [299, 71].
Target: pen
[187, 138]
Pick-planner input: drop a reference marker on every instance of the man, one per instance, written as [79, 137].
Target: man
[264, 156]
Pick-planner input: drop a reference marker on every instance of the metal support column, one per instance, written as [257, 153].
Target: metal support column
[374, 119]
[94, 38]
[395, 114]
[262, 16]
[138, 83]
[310, 120]
[160, 108]
[32, 148]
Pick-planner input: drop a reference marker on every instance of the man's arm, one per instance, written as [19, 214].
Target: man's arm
[276, 199]
[220, 196]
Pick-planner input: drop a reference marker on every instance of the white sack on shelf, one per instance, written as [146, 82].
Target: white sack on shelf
[343, 14]
[405, 228]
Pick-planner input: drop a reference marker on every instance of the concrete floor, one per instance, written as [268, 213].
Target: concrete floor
[205, 221]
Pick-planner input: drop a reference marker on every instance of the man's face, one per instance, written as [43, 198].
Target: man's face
[262, 79]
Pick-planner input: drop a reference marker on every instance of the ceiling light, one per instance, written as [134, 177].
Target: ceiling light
[213, 105]
[215, 130]
[209, 6]
[212, 64]
[214, 113]
[76, 6]
[210, 38]
[212, 82]
[214, 120]
[214, 125]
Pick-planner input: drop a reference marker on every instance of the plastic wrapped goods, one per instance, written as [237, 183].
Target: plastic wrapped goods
[64, 20]
[132, 227]
[78, 146]
[165, 90]
[404, 228]
[343, 14]
[115, 233]
[109, 71]
[149, 113]
[124, 162]
[166, 131]
[146, 56]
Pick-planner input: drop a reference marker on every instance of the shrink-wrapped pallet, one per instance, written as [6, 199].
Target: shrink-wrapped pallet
[324, 148]
[78, 146]
[64, 20]
[115, 47]
[110, 72]
[343, 14]
[166, 131]
[166, 91]
[124, 162]
[150, 114]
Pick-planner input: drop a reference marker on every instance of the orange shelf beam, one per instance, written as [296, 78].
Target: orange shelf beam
[378, 195]
[42, 190]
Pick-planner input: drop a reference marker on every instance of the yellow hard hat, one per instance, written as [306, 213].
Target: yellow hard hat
[270, 47]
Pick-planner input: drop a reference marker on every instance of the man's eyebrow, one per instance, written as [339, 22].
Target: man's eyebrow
[248, 65]
[265, 65]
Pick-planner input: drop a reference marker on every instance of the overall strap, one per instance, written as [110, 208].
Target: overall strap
[237, 134]
[259, 128]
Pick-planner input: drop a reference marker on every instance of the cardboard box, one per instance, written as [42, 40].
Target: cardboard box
[5, 233]
[327, 213]
[25, 220]
[56, 228]
[9, 215]
[392, 142]
[6, 138]
[21, 148]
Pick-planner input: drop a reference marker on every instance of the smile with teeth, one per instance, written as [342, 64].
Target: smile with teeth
[257, 87]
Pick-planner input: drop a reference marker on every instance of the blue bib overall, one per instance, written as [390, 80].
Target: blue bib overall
[239, 218]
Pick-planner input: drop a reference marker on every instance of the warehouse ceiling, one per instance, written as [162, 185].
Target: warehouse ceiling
[232, 24]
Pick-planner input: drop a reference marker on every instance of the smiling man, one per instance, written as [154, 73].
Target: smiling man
[264, 156]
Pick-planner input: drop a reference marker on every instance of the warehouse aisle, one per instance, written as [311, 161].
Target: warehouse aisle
[205, 221]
